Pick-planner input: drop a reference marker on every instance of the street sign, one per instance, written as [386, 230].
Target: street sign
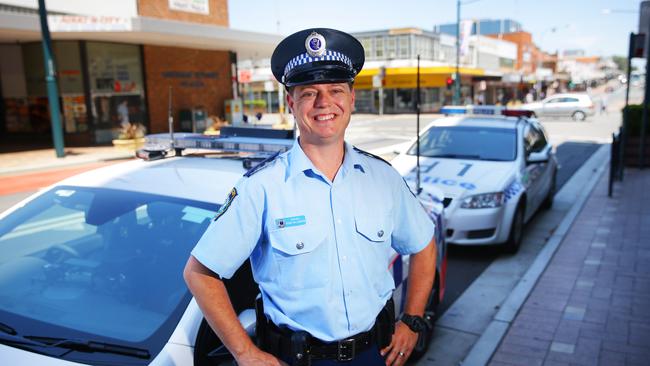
[644, 25]
[638, 45]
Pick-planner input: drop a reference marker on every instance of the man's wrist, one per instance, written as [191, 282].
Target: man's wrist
[415, 322]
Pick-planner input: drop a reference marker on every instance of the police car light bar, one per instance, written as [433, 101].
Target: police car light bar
[485, 110]
[228, 143]
[262, 145]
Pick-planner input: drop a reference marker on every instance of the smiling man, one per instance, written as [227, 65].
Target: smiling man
[318, 223]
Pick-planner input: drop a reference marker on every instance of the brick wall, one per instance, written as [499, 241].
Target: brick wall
[198, 78]
[160, 9]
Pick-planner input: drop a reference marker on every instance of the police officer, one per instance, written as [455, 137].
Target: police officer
[318, 223]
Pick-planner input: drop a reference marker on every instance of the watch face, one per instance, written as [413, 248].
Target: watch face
[419, 324]
[416, 323]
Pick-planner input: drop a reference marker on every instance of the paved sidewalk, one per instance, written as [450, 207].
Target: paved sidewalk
[591, 306]
[12, 163]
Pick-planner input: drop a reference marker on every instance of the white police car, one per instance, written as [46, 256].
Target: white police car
[495, 170]
[91, 268]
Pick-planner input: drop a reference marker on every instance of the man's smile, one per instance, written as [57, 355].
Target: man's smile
[324, 117]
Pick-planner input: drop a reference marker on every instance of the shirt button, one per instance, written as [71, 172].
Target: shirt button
[338, 221]
[300, 245]
[380, 233]
[345, 257]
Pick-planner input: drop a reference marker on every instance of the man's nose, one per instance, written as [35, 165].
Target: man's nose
[323, 99]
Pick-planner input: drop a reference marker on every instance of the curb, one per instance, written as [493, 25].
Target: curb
[489, 341]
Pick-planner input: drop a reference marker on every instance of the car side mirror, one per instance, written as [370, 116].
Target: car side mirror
[537, 157]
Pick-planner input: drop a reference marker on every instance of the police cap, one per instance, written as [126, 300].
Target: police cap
[317, 56]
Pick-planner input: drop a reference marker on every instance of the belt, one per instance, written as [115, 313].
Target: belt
[342, 350]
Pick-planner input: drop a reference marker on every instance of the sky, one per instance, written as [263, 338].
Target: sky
[556, 25]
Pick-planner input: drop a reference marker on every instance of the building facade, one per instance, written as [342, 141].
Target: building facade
[119, 62]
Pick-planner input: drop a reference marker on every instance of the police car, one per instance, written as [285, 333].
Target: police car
[91, 268]
[495, 166]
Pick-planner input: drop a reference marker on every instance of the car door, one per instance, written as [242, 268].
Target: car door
[568, 106]
[539, 173]
[533, 173]
[551, 107]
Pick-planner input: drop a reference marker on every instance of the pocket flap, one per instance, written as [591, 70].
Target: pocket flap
[296, 240]
[375, 228]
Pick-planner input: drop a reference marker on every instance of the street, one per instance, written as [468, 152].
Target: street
[470, 269]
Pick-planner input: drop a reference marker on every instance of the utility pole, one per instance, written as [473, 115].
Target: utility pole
[50, 79]
[457, 78]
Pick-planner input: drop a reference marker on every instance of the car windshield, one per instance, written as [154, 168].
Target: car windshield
[468, 142]
[98, 262]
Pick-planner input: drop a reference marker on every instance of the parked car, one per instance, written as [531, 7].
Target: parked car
[91, 267]
[495, 172]
[575, 105]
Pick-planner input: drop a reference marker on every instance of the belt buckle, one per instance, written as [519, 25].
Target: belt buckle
[346, 349]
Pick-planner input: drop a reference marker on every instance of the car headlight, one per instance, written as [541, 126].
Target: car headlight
[485, 200]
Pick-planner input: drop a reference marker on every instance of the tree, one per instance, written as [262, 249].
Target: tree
[621, 62]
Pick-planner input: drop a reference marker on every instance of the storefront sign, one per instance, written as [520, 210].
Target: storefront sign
[190, 6]
[73, 23]
[191, 79]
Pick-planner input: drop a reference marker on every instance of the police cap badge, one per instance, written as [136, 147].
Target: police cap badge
[317, 56]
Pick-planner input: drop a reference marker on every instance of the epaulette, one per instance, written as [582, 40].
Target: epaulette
[261, 165]
[370, 155]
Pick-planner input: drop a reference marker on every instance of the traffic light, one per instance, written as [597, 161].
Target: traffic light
[450, 82]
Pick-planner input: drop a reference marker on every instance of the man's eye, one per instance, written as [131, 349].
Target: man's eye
[307, 94]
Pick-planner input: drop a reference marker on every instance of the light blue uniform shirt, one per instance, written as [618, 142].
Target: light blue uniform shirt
[320, 251]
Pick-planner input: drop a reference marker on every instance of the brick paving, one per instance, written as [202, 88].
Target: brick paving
[591, 306]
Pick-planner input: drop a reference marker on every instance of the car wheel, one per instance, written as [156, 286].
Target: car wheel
[548, 201]
[430, 314]
[516, 231]
[579, 116]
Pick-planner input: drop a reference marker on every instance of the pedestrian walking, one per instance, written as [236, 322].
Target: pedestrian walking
[318, 223]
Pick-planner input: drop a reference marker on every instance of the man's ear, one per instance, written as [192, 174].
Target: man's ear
[289, 98]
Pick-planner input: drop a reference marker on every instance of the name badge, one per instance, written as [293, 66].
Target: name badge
[290, 221]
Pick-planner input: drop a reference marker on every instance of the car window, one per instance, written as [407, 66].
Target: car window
[540, 141]
[570, 100]
[529, 139]
[465, 142]
[99, 262]
[554, 100]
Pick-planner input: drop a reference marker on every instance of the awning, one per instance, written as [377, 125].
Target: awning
[15, 27]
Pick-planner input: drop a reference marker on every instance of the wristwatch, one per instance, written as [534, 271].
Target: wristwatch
[416, 323]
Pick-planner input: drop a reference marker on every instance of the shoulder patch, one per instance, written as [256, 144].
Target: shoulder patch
[370, 155]
[261, 165]
[222, 210]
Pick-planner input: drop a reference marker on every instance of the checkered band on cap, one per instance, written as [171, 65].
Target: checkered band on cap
[306, 58]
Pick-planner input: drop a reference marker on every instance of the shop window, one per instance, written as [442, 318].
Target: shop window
[404, 46]
[116, 87]
[14, 90]
[391, 47]
[367, 47]
[379, 47]
[70, 79]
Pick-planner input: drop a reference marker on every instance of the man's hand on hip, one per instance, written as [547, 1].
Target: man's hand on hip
[257, 357]
[401, 346]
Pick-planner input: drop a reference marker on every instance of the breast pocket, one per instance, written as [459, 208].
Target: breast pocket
[374, 236]
[302, 256]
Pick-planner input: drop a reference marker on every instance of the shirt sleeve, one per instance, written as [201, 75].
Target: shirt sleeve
[234, 232]
[413, 229]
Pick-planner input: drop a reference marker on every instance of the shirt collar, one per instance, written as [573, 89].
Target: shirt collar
[298, 161]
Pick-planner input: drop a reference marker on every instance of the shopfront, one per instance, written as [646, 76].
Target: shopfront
[400, 88]
[100, 88]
